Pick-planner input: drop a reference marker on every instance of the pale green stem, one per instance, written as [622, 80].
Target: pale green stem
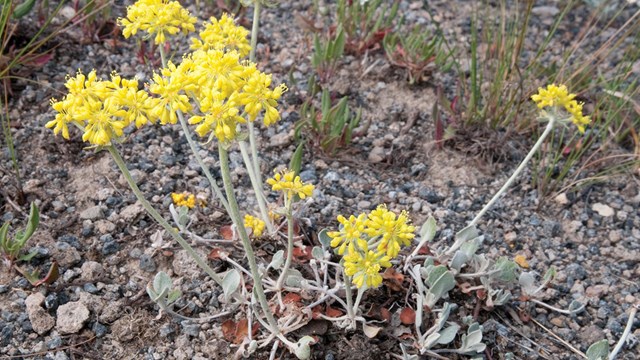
[517, 172]
[254, 30]
[157, 217]
[257, 187]
[203, 166]
[162, 55]
[258, 290]
[287, 263]
[252, 137]
[358, 298]
[194, 149]
[349, 296]
[254, 153]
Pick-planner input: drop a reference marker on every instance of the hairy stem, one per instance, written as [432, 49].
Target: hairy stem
[256, 183]
[258, 290]
[287, 263]
[203, 166]
[517, 172]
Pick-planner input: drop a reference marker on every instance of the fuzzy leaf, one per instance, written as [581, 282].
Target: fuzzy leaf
[277, 260]
[302, 349]
[468, 233]
[527, 282]
[471, 342]
[598, 351]
[294, 278]
[324, 238]
[440, 281]
[428, 229]
[506, 270]
[162, 283]
[230, 283]
[317, 253]
[448, 334]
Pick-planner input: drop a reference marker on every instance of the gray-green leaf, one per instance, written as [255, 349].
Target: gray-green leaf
[598, 351]
[230, 283]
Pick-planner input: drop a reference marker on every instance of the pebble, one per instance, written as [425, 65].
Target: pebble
[71, 317]
[91, 271]
[147, 263]
[602, 209]
[93, 213]
[41, 321]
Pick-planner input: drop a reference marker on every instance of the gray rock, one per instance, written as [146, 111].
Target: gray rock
[131, 212]
[41, 321]
[71, 317]
[147, 264]
[93, 213]
[91, 271]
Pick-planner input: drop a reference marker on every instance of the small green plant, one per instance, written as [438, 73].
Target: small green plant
[327, 53]
[11, 246]
[366, 23]
[329, 127]
[419, 52]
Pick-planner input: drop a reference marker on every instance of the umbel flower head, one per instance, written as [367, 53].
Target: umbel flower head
[369, 241]
[290, 184]
[184, 199]
[223, 35]
[393, 230]
[157, 17]
[101, 108]
[364, 267]
[256, 225]
[559, 97]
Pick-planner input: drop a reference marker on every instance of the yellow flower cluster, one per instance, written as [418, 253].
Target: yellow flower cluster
[184, 199]
[224, 87]
[559, 96]
[223, 34]
[159, 17]
[290, 184]
[101, 108]
[380, 230]
[256, 225]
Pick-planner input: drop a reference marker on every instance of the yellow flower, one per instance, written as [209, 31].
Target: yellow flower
[559, 97]
[137, 102]
[255, 224]
[64, 116]
[521, 260]
[220, 119]
[159, 17]
[184, 199]
[223, 34]
[365, 269]
[169, 86]
[104, 122]
[350, 234]
[395, 231]
[257, 96]
[290, 185]
[82, 88]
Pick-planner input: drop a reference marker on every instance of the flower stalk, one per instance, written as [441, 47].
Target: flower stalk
[516, 173]
[234, 212]
[283, 276]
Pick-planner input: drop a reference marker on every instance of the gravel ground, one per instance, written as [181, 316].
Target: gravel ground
[106, 245]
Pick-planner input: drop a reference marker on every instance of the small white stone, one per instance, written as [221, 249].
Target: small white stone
[602, 209]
